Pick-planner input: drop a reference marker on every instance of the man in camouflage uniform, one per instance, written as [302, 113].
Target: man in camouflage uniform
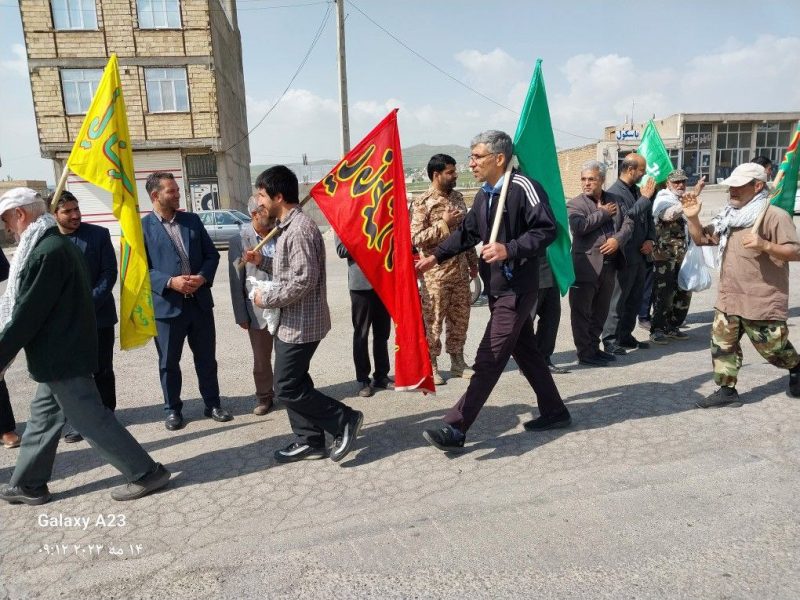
[670, 303]
[753, 292]
[445, 289]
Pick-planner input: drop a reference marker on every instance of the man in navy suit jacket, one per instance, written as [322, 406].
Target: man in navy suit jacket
[183, 262]
[94, 242]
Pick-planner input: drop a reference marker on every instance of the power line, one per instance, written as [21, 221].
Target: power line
[448, 75]
[317, 35]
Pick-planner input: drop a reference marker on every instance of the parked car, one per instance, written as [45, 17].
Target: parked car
[221, 225]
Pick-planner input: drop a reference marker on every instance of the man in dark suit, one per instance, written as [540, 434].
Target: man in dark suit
[94, 242]
[599, 231]
[247, 316]
[629, 288]
[183, 262]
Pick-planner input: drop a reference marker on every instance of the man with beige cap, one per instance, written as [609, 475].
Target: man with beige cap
[753, 293]
[47, 310]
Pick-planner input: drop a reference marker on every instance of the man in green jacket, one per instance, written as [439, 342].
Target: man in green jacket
[47, 310]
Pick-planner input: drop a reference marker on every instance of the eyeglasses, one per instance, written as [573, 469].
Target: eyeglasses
[477, 157]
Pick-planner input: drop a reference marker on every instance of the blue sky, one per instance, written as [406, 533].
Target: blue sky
[599, 57]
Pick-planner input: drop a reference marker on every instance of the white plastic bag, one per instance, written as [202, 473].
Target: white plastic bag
[694, 275]
[272, 315]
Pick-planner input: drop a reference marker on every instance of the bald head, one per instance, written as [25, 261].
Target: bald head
[633, 168]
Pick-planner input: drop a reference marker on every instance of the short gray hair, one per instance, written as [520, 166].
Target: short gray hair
[36, 208]
[498, 142]
[595, 165]
[252, 205]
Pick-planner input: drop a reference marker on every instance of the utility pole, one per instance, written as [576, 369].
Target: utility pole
[342, 77]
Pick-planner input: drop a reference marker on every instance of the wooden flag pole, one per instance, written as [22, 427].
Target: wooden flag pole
[501, 202]
[59, 188]
[240, 263]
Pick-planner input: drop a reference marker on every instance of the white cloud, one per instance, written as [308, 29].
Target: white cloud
[759, 76]
[18, 64]
[491, 71]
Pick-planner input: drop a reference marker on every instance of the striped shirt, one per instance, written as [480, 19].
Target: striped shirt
[298, 269]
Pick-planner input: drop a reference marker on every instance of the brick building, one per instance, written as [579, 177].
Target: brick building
[181, 70]
[710, 144]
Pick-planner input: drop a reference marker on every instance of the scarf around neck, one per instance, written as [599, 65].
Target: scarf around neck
[30, 237]
[736, 218]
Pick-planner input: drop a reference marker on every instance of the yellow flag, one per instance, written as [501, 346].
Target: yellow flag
[102, 155]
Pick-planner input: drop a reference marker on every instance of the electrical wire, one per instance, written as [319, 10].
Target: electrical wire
[448, 75]
[317, 35]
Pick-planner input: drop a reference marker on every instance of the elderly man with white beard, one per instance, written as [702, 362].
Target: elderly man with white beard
[47, 309]
[753, 292]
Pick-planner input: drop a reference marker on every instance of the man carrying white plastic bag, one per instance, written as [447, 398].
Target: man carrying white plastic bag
[753, 295]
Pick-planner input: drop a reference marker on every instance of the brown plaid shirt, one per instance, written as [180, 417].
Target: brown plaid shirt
[299, 270]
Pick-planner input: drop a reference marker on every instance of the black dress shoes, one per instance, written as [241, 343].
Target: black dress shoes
[613, 348]
[606, 356]
[220, 415]
[26, 495]
[556, 370]
[174, 420]
[343, 443]
[73, 437]
[592, 361]
[631, 343]
[542, 423]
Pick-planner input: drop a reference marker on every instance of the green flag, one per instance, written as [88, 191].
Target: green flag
[784, 194]
[535, 149]
[652, 149]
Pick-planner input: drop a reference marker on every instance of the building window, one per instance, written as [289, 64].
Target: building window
[159, 14]
[166, 90]
[733, 147]
[773, 138]
[696, 160]
[79, 86]
[74, 14]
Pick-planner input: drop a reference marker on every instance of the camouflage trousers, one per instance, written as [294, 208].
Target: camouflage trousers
[770, 338]
[670, 303]
[446, 303]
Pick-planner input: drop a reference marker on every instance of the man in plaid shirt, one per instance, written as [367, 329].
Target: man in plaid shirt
[298, 270]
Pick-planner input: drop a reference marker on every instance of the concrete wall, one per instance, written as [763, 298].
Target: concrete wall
[233, 166]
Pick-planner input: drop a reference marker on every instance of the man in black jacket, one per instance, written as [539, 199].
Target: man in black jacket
[94, 242]
[626, 299]
[509, 268]
[47, 310]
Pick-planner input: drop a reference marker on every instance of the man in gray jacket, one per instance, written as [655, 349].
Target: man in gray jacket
[247, 316]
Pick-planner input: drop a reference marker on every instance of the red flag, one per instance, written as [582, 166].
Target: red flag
[364, 200]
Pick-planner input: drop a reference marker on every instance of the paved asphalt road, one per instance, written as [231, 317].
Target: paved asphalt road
[644, 497]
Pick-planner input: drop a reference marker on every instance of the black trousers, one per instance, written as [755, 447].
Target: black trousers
[626, 301]
[509, 332]
[197, 326]
[311, 413]
[368, 312]
[104, 377]
[548, 309]
[588, 307]
[7, 422]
